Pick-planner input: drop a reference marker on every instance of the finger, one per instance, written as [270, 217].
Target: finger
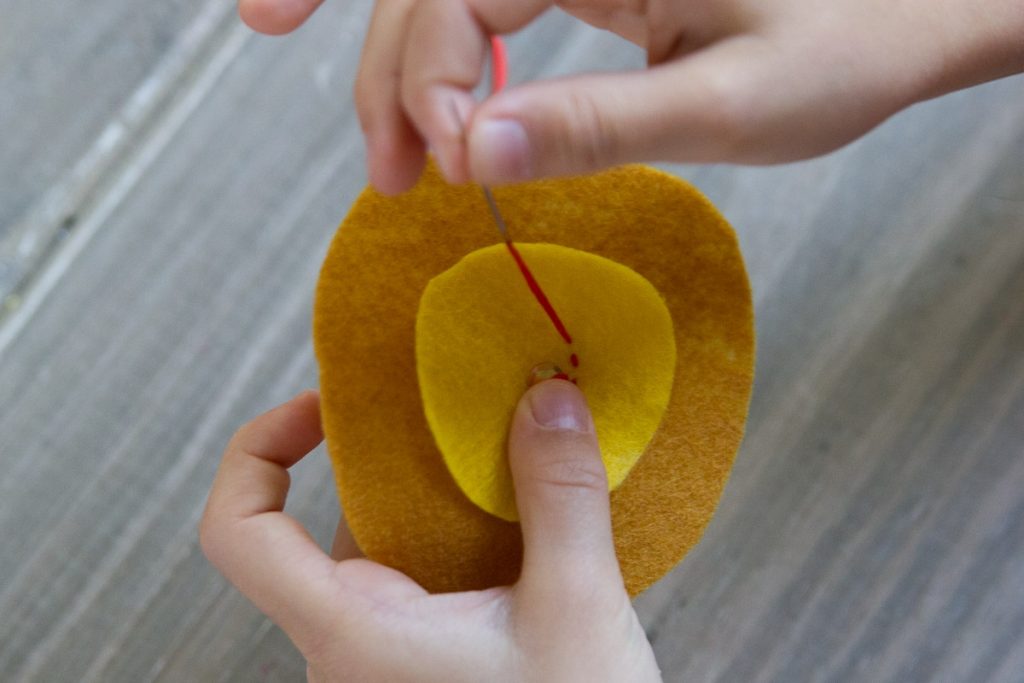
[344, 546]
[446, 49]
[696, 110]
[561, 492]
[275, 17]
[266, 554]
[629, 20]
[394, 150]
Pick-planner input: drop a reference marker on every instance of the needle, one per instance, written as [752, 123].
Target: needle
[499, 74]
[498, 77]
[488, 195]
[498, 220]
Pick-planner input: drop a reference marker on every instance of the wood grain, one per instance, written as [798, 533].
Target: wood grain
[873, 529]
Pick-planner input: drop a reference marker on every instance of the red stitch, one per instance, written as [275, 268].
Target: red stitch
[538, 293]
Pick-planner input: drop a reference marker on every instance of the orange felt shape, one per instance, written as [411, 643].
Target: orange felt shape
[402, 504]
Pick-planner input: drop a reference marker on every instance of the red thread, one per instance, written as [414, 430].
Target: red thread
[574, 360]
[538, 293]
[499, 64]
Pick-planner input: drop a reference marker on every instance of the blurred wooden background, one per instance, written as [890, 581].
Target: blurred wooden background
[169, 182]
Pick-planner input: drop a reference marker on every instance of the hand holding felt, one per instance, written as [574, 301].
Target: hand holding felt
[403, 505]
[561, 621]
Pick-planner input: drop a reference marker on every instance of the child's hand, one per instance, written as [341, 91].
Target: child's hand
[568, 618]
[750, 81]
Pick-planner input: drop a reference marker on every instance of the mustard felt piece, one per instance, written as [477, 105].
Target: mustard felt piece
[479, 332]
[402, 504]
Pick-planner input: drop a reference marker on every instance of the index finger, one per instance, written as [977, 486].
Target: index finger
[445, 51]
[244, 532]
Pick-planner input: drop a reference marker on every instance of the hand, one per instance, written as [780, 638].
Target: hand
[748, 81]
[568, 618]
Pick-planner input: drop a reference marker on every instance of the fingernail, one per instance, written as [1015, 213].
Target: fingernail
[558, 404]
[500, 151]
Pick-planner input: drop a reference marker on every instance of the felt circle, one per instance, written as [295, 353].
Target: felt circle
[479, 332]
[401, 503]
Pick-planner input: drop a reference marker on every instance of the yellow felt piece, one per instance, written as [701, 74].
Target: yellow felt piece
[402, 504]
[479, 332]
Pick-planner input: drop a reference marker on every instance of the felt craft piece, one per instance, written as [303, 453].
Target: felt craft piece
[401, 502]
[479, 333]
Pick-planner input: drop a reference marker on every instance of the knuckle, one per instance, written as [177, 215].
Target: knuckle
[414, 97]
[362, 93]
[593, 138]
[365, 94]
[728, 112]
[216, 534]
[591, 599]
[585, 475]
[409, 95]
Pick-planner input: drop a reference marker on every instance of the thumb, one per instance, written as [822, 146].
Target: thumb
[561, 490]
[679, 111]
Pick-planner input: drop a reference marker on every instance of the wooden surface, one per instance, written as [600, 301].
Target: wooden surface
[168, 185]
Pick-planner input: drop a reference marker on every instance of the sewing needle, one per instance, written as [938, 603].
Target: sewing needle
[498, 220]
